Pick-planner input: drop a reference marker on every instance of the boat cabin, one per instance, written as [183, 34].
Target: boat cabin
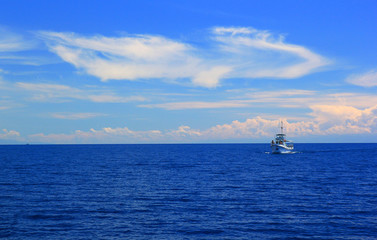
[280, 139]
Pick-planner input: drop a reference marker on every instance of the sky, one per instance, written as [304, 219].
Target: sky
[82, 72]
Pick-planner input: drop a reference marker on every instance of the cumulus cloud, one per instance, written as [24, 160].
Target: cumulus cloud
[11, 134]
[105, 135]
[251, 128]
[368, 79]
[184, 131]
[233, 52]
[333, 119]
[327, 120]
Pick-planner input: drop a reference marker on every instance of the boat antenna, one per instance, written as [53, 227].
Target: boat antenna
[281, 127]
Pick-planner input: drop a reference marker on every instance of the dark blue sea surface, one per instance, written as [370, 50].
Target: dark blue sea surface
[188, 191]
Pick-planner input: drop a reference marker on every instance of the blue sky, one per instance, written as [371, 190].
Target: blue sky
[187, 71]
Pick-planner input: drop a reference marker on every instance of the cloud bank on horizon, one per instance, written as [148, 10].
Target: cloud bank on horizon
[233, 52]
[327, 120]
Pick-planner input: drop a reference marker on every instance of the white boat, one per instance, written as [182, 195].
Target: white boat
[280, 144]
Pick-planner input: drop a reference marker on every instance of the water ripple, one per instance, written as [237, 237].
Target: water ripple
[199, 191]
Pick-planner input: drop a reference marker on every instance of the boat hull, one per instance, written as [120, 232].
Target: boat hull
[278, 148]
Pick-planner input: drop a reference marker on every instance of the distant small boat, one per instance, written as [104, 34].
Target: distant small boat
[281, 144]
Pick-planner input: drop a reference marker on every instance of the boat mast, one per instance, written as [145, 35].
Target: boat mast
[281, 127]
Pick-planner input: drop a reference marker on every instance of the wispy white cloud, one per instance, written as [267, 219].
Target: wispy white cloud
[12, 42]
[5, 105]
[107, 98]
[234, 52]
[234, 30]
[291, 98]
[59, 92]
[6, 102]
[258, 54]
[197, 105]
[289, 93]
[211, 77]
[46, 87]
[368, 79]
[75, 116]
[131, 58]
[14, 47]
[26, 60]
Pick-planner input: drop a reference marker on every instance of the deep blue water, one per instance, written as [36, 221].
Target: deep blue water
[183, 191]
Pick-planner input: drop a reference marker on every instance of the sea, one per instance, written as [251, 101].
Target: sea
[188, 191]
